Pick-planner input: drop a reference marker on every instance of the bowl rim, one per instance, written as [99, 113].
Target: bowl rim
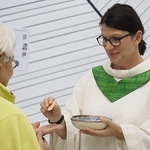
[95, 121]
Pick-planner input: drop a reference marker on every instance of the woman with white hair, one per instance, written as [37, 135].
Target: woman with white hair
[16, 132]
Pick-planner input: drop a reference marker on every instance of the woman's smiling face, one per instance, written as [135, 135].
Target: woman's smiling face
[120, 56]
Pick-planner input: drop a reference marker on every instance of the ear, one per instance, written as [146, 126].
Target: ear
[138, 37]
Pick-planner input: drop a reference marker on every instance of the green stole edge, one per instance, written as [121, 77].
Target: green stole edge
[114, 90]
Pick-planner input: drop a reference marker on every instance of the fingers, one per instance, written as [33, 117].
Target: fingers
[92, 132]
[42, 141]
[35, 125]
[48, 129]
[39, 136]
[108, 121]
[46, 103]
[100, 132]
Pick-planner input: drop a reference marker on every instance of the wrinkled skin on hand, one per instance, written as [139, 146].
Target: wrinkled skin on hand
[39, 134]
[42, 141]
[48, 129]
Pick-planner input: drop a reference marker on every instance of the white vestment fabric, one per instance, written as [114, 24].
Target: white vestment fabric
[131, 112]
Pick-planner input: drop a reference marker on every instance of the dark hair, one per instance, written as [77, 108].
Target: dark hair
[124, 17]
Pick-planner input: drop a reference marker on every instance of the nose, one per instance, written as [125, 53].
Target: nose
[108, 46]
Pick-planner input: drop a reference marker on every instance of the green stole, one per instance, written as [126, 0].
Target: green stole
[114, 90]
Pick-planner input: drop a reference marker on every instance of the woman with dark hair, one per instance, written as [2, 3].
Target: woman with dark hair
[119, 89]
[123, 17]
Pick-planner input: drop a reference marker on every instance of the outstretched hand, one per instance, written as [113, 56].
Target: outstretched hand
[39, 134]
[47, 129]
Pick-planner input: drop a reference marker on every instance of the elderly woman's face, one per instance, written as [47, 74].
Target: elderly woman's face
[6, 72]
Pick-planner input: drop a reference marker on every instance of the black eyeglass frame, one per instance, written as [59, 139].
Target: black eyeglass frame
[16, 62]
[119, 39]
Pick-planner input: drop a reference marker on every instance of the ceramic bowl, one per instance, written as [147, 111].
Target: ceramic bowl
[81, 121]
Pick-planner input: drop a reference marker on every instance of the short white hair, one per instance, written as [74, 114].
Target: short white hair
[7, 41]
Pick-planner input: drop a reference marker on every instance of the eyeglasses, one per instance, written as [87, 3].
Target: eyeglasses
[114, 41]
[15, 63]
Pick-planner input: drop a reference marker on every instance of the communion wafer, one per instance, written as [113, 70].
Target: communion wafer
[51, 106]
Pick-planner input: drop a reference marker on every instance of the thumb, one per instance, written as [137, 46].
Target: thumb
[106, 120]
[39, 136]
[42, 141]
[35, 125]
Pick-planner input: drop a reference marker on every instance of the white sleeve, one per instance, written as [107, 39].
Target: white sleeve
[73, 107]
[135, 138]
